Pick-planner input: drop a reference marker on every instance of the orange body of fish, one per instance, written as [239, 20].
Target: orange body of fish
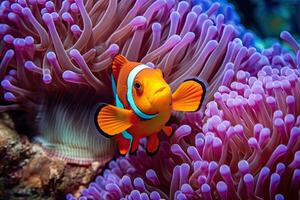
[144, 103]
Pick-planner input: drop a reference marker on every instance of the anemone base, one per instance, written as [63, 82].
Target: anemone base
[66, 130]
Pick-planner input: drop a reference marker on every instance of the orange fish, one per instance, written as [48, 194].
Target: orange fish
[144, 103]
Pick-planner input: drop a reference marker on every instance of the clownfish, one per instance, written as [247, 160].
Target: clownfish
[143, 105]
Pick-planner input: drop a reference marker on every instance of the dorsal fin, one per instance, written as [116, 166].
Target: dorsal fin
[117, 64]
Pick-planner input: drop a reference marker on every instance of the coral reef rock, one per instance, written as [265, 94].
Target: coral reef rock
[26, 172]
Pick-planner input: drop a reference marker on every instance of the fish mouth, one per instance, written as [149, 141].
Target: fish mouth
[160, 89]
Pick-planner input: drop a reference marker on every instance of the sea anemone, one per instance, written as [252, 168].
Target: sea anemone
[56, 55]
[245, 145]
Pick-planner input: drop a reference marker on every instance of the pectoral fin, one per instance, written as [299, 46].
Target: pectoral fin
[113, 120]
[189, 96]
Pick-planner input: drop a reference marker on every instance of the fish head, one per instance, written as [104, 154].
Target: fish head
[151, 92]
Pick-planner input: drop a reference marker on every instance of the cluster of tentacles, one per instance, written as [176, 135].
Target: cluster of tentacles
[245, 145]
[56, 58]
[55, 64]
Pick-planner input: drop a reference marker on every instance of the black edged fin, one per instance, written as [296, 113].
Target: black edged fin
[189, 96]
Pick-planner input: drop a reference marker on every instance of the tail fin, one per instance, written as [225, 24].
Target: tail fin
[117, 64]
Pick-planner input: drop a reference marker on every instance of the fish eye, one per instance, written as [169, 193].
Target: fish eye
[137, 86]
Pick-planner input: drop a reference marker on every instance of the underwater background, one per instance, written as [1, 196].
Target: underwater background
[55, 57]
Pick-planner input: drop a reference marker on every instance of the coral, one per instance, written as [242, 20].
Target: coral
[245, 145]
[56, 58]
